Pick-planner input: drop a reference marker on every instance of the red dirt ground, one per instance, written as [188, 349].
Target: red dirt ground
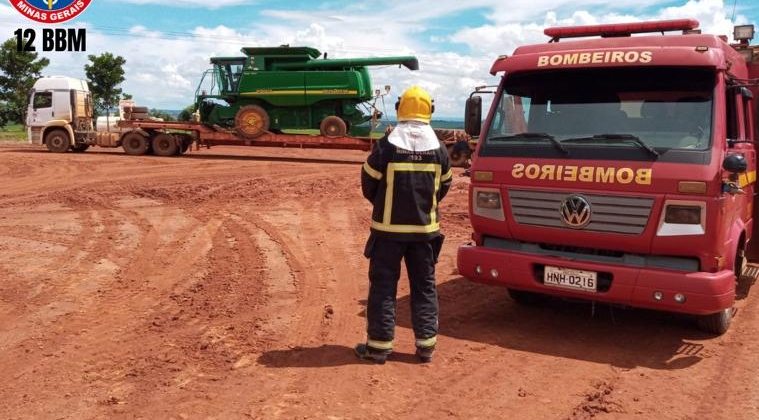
[230, 284]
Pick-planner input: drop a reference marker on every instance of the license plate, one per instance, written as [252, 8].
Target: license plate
[570, 278]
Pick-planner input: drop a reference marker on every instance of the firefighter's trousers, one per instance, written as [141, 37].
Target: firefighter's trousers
[385, 270]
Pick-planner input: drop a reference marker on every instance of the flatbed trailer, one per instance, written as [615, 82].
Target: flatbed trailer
[167, 138]
[207, 136]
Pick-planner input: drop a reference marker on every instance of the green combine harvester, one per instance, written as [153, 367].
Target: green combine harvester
[291, 88]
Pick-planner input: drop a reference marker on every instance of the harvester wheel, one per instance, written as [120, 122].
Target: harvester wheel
[251, 121]
[165, 144]
[333, 126]
[57, 141]
[135, 144]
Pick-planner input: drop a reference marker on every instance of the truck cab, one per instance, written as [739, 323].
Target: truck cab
[60, 113]
[618, 169]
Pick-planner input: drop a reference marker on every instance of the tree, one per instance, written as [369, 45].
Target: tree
[186, 113]
[104, 75]
[18, 72]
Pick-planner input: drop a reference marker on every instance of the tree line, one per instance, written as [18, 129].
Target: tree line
[19, 71]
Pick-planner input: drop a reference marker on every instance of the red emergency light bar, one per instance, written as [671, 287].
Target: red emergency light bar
[620, 29]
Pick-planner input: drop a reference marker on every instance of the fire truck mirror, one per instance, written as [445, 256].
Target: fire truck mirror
[735, 164]
[473, 115]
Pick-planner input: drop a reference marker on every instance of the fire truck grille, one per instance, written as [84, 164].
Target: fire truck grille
[613, 214]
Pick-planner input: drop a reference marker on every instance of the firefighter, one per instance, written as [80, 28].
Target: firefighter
[405, 177]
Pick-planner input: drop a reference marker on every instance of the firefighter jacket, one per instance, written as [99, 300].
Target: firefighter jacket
[406, 184]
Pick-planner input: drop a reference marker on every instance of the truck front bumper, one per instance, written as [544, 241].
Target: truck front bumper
[704, 293]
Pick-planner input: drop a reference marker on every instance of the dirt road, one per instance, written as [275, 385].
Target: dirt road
[229, 284]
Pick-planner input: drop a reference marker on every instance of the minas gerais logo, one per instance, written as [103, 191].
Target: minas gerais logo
[51, 12]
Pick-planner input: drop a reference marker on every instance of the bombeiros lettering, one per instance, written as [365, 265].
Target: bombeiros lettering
[597, 57]
[573, 173]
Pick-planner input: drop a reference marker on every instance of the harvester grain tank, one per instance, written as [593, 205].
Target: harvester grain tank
[272, 89]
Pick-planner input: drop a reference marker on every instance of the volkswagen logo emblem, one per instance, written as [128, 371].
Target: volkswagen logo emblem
[575, 211]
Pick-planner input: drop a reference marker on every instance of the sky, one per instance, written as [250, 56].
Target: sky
[167, 43]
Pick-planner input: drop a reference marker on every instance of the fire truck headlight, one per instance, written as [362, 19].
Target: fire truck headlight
[489, 199]
[683, 215]
[487, 203]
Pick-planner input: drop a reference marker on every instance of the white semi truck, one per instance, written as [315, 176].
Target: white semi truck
[60, 114]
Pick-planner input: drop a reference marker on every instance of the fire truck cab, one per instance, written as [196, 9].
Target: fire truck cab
[619, 167]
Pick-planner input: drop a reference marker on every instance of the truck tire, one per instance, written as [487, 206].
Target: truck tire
[135, 144]
[80, 148]
[717, 323]
[57, 140]
[333, 126]
[164, 144]
[251, 121]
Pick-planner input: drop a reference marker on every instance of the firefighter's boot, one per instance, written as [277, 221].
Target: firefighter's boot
[371, 354]
[425, 354]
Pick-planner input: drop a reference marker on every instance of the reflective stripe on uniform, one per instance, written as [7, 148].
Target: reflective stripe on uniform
[426, 342]
[447, 176]
[379, 345]
[392, 168]
[372, 172]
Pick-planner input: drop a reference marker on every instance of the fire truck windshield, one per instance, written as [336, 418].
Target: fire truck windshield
[664, 109]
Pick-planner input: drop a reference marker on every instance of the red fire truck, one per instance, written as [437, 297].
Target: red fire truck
[619, 167]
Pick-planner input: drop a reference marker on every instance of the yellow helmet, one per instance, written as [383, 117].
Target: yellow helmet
[415, 105]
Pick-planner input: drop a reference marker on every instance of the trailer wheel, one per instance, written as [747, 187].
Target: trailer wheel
[185, 143]
[333, 126]
[251, 121]
[716, 323]
[135, 144]
[165, 144]
[57, 141]
[80, 148]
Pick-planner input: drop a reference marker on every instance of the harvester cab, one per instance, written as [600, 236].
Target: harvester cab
[273, 89]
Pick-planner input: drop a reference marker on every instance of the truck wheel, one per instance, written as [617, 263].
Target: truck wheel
[57, 141]
[333, 126]
[80, 148]
[165, 144]
[716, 323]
[525, 298]
[251, 121]
[135, 144]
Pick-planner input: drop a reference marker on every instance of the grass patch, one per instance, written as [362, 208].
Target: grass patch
[13, 133]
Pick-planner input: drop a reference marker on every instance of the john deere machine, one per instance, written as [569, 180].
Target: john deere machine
[284, 88]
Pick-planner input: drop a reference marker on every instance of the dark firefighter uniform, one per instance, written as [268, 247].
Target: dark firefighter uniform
[405, 178]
